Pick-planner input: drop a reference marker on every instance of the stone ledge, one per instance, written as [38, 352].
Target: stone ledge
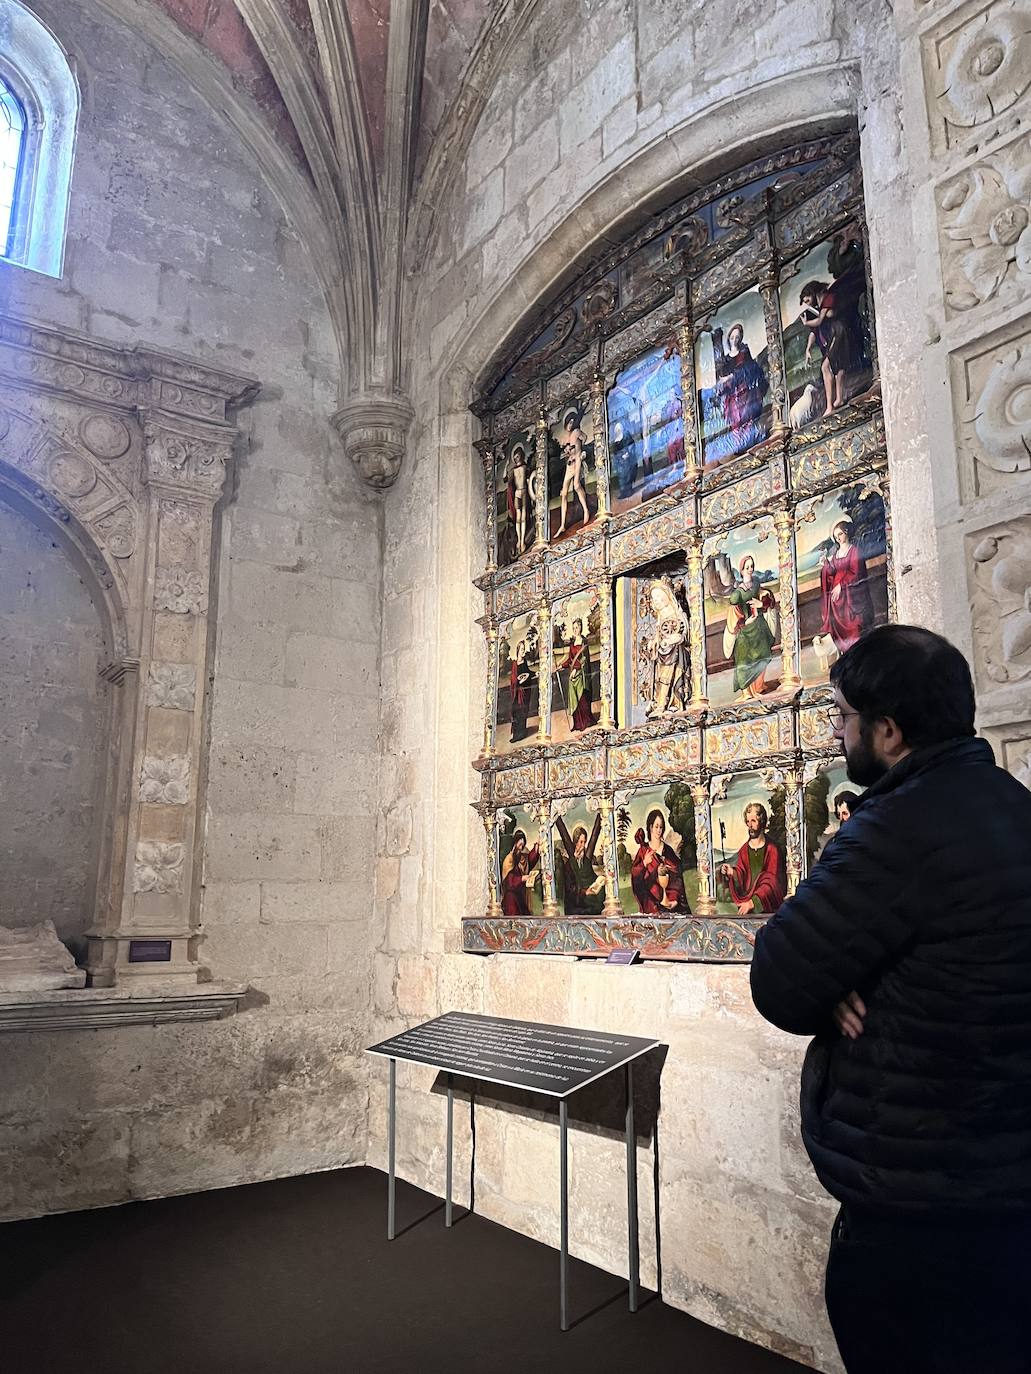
[93, 1008]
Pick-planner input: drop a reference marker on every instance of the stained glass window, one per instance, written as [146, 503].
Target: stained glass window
[12, 137]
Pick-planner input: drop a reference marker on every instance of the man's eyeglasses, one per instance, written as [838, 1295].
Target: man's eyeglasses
[837, 717]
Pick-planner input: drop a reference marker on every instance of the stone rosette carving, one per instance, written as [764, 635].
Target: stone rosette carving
[165, 781]
[374, 431]
[1001, 572]
[1002, 414]
[116, 530]
[986, 68]
[986, 223]
[181, 591]
[172, 685]
[158, 867]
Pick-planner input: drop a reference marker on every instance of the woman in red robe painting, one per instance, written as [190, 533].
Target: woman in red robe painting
[844, 593]
[657, 875]
[518, 874]
[577, 663]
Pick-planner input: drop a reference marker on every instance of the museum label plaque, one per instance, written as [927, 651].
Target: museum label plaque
[556, 1060]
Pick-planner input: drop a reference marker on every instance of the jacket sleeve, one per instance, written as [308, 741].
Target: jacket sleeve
[846, 922]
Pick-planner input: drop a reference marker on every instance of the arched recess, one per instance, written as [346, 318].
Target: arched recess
[67, 773]
[36, 68]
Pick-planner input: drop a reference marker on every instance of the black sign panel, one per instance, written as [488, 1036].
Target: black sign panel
[556, 1060]
[150, 951]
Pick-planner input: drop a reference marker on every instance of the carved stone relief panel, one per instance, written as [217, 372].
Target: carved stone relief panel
[992, 399]
[1000, 588]
[985, 226]
[1012, 745]
[977, 71]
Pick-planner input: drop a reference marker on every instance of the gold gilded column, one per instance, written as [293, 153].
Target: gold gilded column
[685, 347]
[490, 709]
[601, 446]
[696, 609]
[540, 505]
[490, 484]
[544, 670]
[607, 674]
[547, 859]
[706, 904]
[490, 826]
[785, 526]
[793, 824]
[613, 906]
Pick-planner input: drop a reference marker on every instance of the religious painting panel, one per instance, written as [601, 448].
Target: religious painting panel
[519, 862]
[825, 322]
[579, 867]
[656, 850]
[645, 429]
[572, 475]
[749, 843]
[827, 806]
[734, 407]
[741, 582]
[576, 665]
[653, 670]
[517, 703]
[517, 491]
[841, 548]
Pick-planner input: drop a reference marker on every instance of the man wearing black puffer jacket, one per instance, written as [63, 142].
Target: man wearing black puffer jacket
[907, 955]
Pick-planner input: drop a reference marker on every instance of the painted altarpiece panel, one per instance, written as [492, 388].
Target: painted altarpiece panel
[576, 664]
[826, 806]
[646, 429]
[572, 473]
[652, 626]
[749, 843]
[520, 870]
[579, 866]
[741, 579]
[517, 702]
[656, 855]
[734, 403]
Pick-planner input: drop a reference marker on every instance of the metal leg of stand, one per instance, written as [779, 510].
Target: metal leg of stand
[563, 1122]
[391, 1133]
[450, 1142]
[631, 1190]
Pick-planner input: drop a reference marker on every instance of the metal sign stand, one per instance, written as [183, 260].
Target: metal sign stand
[633, 1233]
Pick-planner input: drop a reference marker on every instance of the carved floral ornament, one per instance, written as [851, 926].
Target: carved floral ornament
[1002, 620]
[986, 216]
[165, 781]
[1002, 414]
[172, 685]
[989, 66]
[181, 591]
[158, 867]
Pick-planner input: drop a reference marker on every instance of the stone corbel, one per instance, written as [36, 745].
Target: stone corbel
[374, 431]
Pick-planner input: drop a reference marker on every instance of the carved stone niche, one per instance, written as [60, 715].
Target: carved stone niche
[124, 453]
[374, 430]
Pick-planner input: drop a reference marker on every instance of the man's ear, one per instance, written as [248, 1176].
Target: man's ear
[892, 739]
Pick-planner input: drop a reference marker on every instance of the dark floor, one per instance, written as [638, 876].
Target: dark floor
[297, 1277]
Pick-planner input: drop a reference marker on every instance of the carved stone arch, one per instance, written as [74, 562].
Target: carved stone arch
[93, 514]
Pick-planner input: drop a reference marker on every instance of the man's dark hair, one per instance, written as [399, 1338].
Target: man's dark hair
[915, 677]
[846, 798]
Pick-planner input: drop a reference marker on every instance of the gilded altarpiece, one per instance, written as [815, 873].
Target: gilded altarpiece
[702, 524]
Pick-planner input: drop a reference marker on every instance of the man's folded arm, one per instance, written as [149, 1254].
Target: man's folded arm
[834, 935]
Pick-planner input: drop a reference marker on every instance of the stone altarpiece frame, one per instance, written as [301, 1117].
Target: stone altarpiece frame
[122, 455]
[729, 400]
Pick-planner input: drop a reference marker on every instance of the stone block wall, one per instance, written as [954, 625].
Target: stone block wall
[603, 109]
[175, 241]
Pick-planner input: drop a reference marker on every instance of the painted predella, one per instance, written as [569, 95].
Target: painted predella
[690, 522]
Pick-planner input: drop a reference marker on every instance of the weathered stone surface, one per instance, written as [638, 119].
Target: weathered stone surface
[33, 959]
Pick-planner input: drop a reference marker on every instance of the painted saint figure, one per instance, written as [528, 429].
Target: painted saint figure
[843, 804]
[521, 682]
[844, 593]
[521, 496]
[656, 874]
[830, 311]
[751, 631]
[741, 385]
[519, 872]
[757, 882]
[667, 649]
[584, 887]
[577, 663]
[572, 481]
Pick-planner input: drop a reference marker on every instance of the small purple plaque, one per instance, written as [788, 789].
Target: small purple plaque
[150, 951]
[623, 956]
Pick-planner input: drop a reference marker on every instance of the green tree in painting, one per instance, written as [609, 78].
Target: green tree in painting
[815, 805]
[680, 805]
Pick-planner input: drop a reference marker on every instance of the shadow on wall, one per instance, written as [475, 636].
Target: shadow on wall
[598, 1109]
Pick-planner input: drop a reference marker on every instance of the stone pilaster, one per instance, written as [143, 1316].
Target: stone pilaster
[154, 935]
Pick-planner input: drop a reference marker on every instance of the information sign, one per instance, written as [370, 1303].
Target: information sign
[556, 1060]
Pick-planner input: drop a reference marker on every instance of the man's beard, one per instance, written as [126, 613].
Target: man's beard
[861, 764]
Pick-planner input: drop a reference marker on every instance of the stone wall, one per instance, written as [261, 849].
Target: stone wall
[53, 733]
[175, 241]
[603, 109]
